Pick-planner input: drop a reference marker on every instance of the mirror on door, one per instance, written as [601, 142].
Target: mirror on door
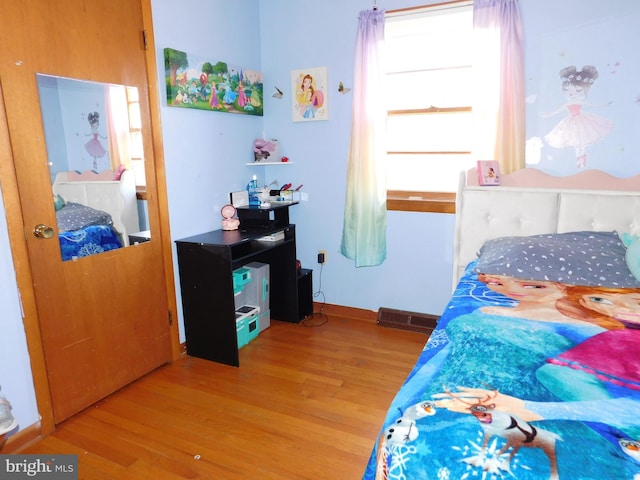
[96, 162]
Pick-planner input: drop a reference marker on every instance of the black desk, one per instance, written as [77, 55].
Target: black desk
[206, 263]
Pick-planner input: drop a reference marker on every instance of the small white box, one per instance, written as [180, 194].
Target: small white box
[274, 237]
[240, 198]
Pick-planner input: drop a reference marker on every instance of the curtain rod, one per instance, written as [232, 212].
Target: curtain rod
[421, 7]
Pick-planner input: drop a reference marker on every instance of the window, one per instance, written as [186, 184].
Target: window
[135, 135]
[125, 132]
[429, 116]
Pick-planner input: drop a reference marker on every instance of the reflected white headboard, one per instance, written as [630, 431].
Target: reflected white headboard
[117, 198]
[544, 204]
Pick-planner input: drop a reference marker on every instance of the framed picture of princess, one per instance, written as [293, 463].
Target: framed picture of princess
[309, 94]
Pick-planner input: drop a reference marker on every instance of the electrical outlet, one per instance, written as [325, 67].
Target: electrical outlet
[322, 256]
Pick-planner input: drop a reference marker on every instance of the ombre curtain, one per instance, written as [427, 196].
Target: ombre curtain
[499, 106]
[118, 126]
[364, 232]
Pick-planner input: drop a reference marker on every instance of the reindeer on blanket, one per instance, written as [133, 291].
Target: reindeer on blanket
[513, 430]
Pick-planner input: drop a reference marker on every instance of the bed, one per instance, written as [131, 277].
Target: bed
[94, 212]
[533, 370]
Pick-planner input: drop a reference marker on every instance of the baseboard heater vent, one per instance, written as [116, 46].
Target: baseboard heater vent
[416, 322]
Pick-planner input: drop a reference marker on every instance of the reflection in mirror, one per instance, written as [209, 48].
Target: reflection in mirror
[96, 162]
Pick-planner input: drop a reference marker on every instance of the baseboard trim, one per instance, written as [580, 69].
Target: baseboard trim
[23, 438]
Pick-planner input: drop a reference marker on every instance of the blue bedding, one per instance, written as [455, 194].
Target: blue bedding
[88, 241]
[85, 231]
[520, 379]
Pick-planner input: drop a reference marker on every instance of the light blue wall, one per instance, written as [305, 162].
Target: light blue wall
[584, 33]
[65, 105]
[417, 273]
[16, 381]
[205, 152]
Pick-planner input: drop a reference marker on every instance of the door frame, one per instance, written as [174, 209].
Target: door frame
[18, 230]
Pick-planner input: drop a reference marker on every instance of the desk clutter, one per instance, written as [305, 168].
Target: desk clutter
[266, 195]
[259, 208]
[251, 298]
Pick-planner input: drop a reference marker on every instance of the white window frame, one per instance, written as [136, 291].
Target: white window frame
[446, 156]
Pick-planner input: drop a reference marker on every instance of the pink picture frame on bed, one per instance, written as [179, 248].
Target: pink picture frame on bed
[488, 172]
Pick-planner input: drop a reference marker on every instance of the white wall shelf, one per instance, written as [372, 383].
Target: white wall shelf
[255, 164]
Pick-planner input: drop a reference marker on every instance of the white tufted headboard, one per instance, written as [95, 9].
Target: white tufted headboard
[483, 213]
[117, 198]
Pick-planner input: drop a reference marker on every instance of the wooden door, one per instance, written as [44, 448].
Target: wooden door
[104, 319]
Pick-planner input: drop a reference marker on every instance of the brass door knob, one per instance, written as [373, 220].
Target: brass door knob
[43, 231]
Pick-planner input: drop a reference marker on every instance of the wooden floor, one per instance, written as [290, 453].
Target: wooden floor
[306, 403]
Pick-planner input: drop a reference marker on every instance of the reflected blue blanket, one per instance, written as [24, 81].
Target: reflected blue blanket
[88, 241]
[501, 392]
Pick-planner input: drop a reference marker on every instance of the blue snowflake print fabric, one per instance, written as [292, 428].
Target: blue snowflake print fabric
[88, 241]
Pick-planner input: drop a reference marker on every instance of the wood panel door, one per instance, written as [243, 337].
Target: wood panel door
[104, 319]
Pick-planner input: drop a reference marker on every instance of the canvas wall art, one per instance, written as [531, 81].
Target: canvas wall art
[214, 85]
[309, 94]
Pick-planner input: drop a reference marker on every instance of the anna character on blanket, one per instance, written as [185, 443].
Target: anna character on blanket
[604, 373]
[511, 336]
[606, 365]
[547, 301]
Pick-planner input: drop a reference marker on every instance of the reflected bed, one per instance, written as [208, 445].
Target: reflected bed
[94, 213]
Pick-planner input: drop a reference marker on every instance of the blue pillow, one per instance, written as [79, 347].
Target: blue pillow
[575, 258]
